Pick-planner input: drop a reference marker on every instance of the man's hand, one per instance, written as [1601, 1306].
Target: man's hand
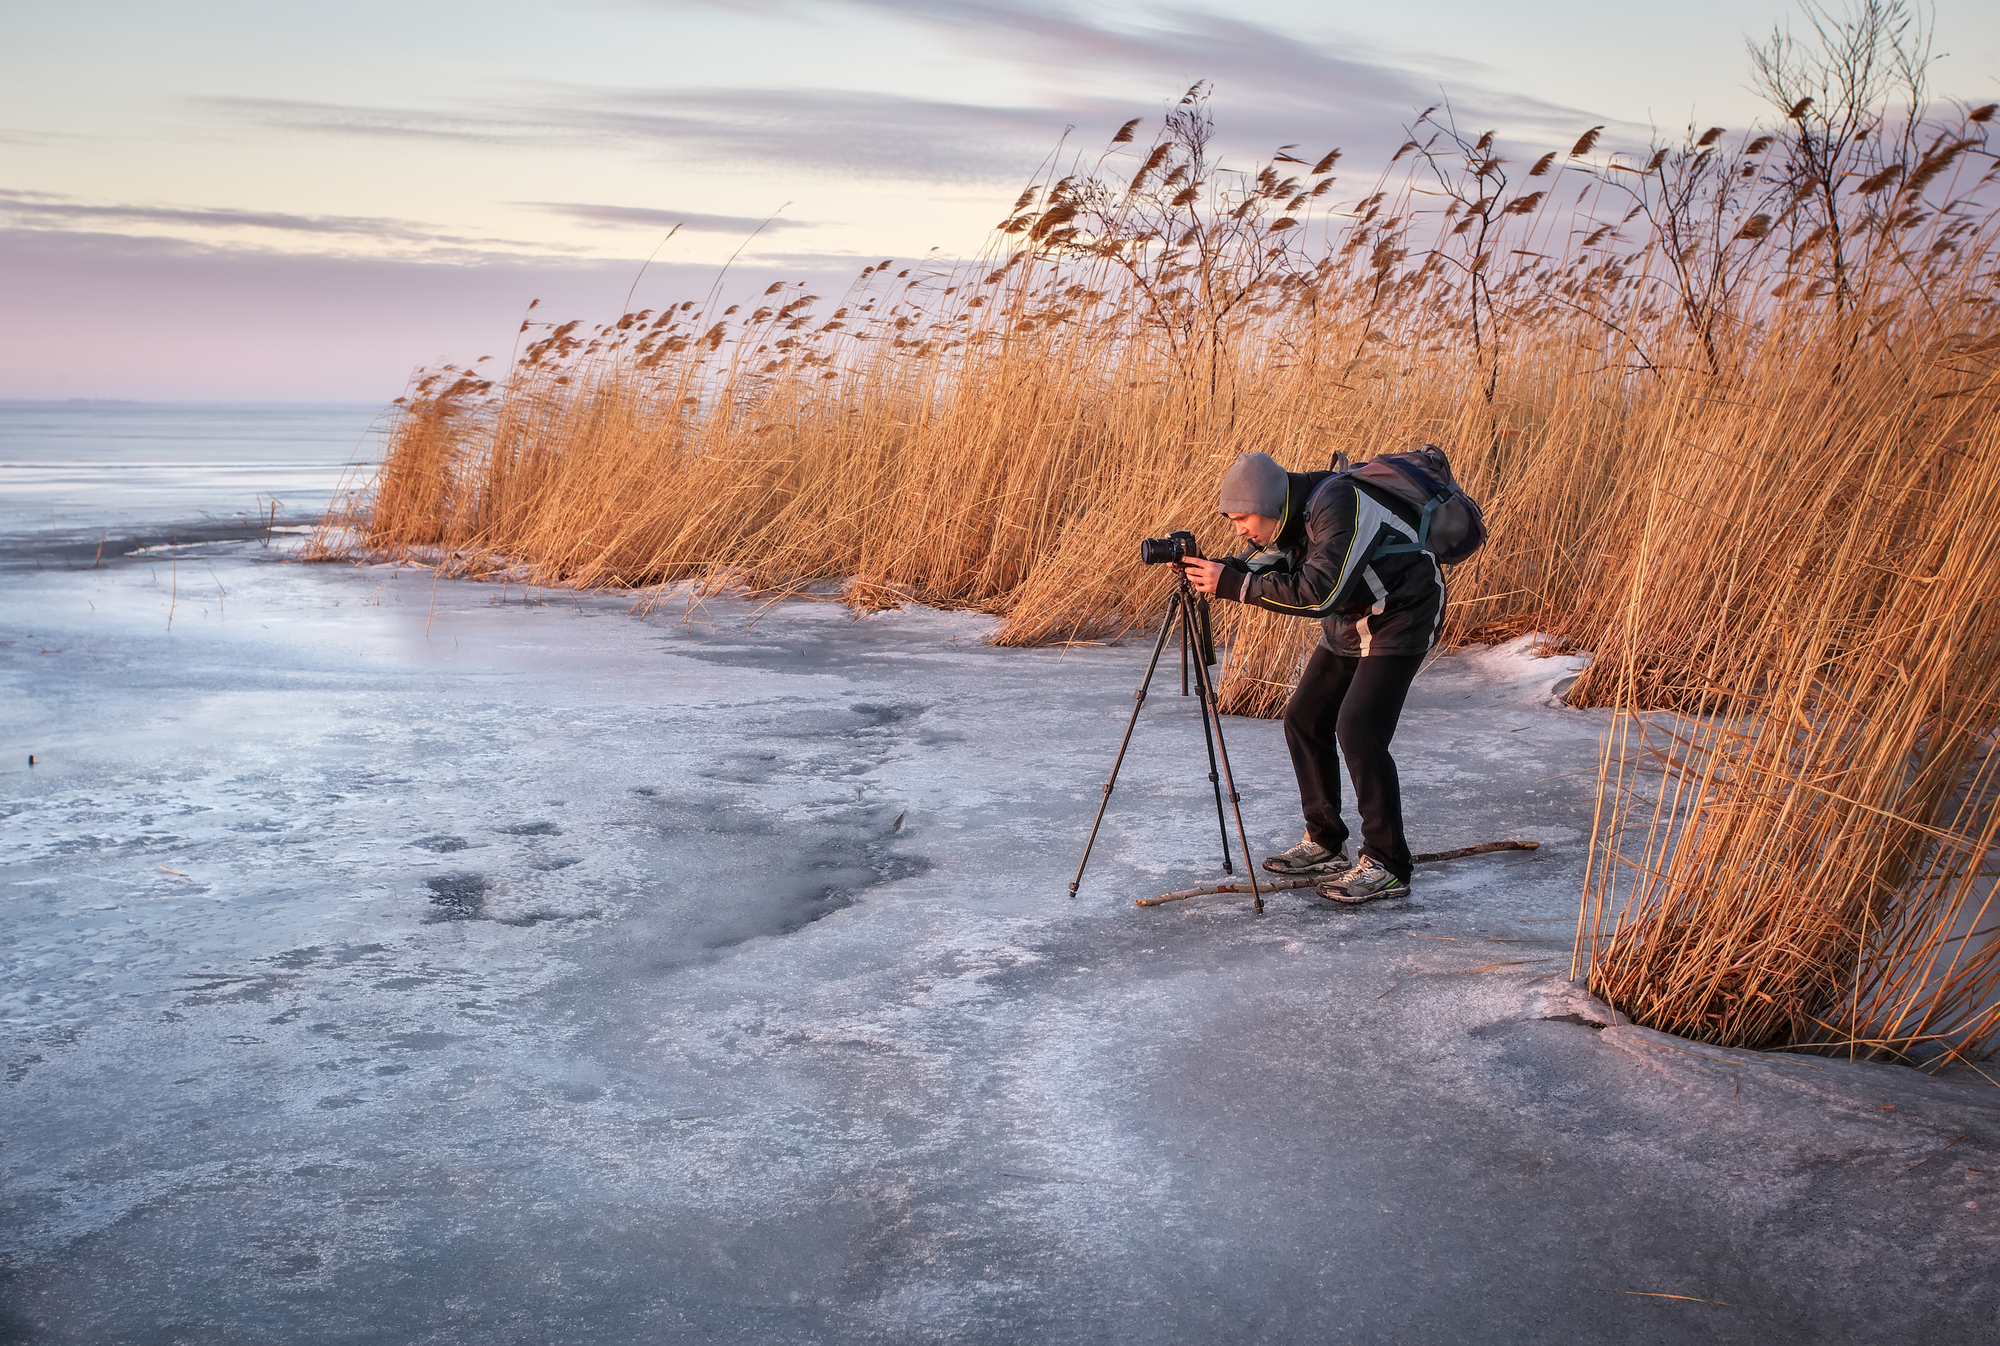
[1202, 574]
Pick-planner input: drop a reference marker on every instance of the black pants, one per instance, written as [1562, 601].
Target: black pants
[1355, 702]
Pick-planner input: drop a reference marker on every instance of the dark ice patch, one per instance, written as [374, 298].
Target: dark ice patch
[421, 1041]
[1591, 1024]
[543, 829]
[891, 868]
[214, 989]
[557, 862]
[754, 768]
[94, 548]
[844, 857]
[812, 905]
[865, 720]
[730, 872]
[462, 897]
[441, 843]
[298, 1264]
[715, 818]
[458, 897]
[878, 716]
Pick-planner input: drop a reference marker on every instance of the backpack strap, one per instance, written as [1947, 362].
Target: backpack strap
[1423, 533]
[1436, 499]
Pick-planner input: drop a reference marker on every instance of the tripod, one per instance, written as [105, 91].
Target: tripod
[1187, 617]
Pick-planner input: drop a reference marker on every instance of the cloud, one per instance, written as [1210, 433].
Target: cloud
[1176, 45]
[688, 221]
[32, 207]
[837, 132]
[46, 210]
[490, 128]
[1270, 87]
[833, 131]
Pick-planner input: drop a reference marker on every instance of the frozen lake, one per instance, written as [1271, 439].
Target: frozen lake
[397, 961]
[72, 471]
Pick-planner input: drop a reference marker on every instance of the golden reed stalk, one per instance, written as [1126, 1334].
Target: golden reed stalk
[1741, 448]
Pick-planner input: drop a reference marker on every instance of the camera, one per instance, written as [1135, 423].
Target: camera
[1174, 548]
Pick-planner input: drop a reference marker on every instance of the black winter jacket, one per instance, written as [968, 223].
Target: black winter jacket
[1319, 566]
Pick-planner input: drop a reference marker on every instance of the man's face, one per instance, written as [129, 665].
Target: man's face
[1261, 529]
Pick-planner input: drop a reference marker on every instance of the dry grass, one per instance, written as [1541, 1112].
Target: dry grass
[1812, 868]
[1740, 447]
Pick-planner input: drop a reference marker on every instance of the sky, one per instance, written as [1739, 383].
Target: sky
[237, 201]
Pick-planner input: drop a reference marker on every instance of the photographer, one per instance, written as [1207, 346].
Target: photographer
[1313, 538]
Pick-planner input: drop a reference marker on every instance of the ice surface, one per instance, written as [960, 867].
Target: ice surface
[398, 961]
[75, 472]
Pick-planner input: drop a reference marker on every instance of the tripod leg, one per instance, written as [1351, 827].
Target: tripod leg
[1191, 632]
[1209, 706]
[1174, 606]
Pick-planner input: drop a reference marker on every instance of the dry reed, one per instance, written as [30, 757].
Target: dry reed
[1734, 426]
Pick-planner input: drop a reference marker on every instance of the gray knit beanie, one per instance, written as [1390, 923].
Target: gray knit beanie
[1254, 484]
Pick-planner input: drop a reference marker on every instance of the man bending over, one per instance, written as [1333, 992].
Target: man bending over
[1313, 537]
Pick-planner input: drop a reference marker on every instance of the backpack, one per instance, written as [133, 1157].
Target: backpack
[1451, 526]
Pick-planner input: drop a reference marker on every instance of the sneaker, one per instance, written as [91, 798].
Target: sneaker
[1365, 882]
[1308, 857]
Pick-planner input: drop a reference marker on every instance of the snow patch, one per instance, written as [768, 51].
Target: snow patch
[1527, 670]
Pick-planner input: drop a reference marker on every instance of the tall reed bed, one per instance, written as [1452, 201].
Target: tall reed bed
[1730, 404]
[1802, 858]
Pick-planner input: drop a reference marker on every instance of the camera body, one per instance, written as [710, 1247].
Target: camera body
[1172, 549]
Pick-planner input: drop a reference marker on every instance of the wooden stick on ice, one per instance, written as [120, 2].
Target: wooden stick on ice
[1276, 885]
